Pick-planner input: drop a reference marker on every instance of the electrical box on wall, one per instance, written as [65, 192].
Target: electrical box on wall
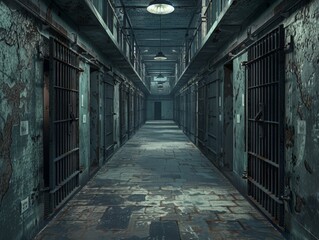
[24, 205]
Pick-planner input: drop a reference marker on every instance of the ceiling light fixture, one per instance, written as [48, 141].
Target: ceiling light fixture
[160, 7]
[160, 55]
[160, 76]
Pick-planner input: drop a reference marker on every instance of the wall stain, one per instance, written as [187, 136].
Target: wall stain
[306, 99]
[20, 35]
[293, 160]
[299, 204]
[290, 136]
[299, 111]
[308, 167]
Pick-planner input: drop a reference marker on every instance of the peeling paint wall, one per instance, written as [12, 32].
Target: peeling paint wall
[302, 121]
[21, 116]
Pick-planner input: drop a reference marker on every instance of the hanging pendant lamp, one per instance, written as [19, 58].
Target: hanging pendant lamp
[160, 7]
[160, 55]
[160, 75]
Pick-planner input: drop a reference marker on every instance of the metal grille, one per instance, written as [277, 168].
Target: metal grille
[212, 117]
[201, 116]
[64, 123]
[123, 113]
[265, 124]
[108, 91]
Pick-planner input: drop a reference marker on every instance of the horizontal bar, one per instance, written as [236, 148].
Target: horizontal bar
[212, 136]
[263, 121]
[210, 149]
[109, 147]
[264, 159]
[68, 64]
[66, 120]
[66, 89]
[66, 154]
[70, 194]
[65, 182]
[108, 133]
[262, 56]
[262, 188]
[263, 85]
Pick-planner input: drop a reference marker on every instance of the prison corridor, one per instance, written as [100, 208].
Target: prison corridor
[158, 186]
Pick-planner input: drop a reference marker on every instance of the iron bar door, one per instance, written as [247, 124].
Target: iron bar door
[108, 91]
[266, 109]
[201, 131]
[64, 123]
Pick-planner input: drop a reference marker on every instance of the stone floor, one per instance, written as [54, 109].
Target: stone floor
[159, 186]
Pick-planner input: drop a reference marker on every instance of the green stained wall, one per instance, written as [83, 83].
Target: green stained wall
[21, 119]
[240, 156]
[302, 122]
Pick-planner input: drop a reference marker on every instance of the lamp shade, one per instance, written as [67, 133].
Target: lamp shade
[160, 76]
[160, 56]
[160, 7]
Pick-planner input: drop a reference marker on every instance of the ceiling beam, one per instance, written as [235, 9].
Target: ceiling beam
[162, 29]
[145, 60]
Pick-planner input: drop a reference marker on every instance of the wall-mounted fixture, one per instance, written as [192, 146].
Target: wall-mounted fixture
[160, 7]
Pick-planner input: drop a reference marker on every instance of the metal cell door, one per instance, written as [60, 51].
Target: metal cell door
[201, 116]
[266, 124]
[108, 91]
[64, 123]
[157, 110]
[212, 118]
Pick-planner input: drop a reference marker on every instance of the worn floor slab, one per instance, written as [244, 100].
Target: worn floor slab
[159, 186]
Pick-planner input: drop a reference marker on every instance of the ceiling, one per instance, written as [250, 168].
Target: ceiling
[173, 29]
[168, 31]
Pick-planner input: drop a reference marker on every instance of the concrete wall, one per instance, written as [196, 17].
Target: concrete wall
[167, 108]
[21, 118]
[302, 122]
